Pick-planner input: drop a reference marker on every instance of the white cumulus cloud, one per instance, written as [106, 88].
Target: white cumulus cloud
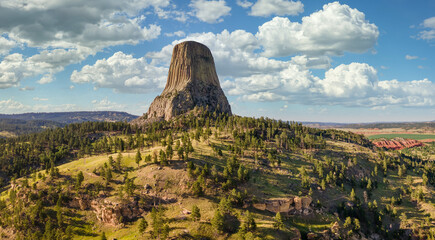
[123, 73]
[428, 34]
[331, 31]
[15, 67]
[67, 32]
[244, 3]
[47, 78]
[353, 80]
[210, 11]
[265, 8]
[11, 106]
[176, 34]
[105, 104]
[69, 24]
[6, 45]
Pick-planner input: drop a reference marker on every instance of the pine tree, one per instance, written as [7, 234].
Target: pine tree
[118, 161]
[196, 213]
[249, 224]
[218, 221]
[103, 236]
[323, 184]
[160, 228]
[279, 223]
[138, 158]
[347, 222]
[353, 195]
[143, 224]
[369, 184]
[197, 188]
[79, 179]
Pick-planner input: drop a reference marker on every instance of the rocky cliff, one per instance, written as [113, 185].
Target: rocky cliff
[397, 144]
[192, 82]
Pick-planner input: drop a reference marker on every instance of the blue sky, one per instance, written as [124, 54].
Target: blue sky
[347, 61]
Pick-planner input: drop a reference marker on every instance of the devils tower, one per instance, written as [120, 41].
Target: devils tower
[192, 82]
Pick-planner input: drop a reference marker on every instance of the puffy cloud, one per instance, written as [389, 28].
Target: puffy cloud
[11, 106]
[12, 70]
[177, 34]
[66, 32]
[123, 73]
[244, 3]
[15, 67]
[321, 62]
[105, 104]
[171, 14]
[210, 11]
[265, 8]
[331, 31]
[429, 22]
[410, 93]
[428, 34]
[6, 45]
[345, 81]
[67, 24]
[263, 97]
[47, 78]
[355, 84]
[409, 57]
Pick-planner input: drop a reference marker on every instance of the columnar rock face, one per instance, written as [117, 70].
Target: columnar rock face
[192, 82]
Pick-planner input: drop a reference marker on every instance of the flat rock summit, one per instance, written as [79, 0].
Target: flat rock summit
[192, 82]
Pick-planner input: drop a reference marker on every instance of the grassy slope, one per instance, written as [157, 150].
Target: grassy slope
[406, 136]
[266, 183]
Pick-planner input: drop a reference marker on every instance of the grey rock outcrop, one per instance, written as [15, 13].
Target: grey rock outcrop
[192, 82]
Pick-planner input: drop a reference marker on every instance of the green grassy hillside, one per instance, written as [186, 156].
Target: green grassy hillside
[406, 136]
[228, 167]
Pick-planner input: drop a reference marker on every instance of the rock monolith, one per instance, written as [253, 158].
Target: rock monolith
[192, 82]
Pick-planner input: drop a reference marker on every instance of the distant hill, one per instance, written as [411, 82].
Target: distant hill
[12, 125]
[73, 117]
[405, 125]
[379, 125]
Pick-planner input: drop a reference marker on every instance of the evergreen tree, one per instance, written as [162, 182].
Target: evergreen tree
[196, 213]
[143, 224]
[218, 221]
[119, 161]
[248, 224]
[138, 158]
[103, 236]
[158, 223]
[197, 188]
[353, 195]
[79, 179]
[279, 222]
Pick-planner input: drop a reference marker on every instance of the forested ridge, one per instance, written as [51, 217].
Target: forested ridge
[226, 165]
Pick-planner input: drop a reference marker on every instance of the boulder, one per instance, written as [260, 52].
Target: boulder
[306, 201]
[298, 203]
[111, 212]
[278, 205]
